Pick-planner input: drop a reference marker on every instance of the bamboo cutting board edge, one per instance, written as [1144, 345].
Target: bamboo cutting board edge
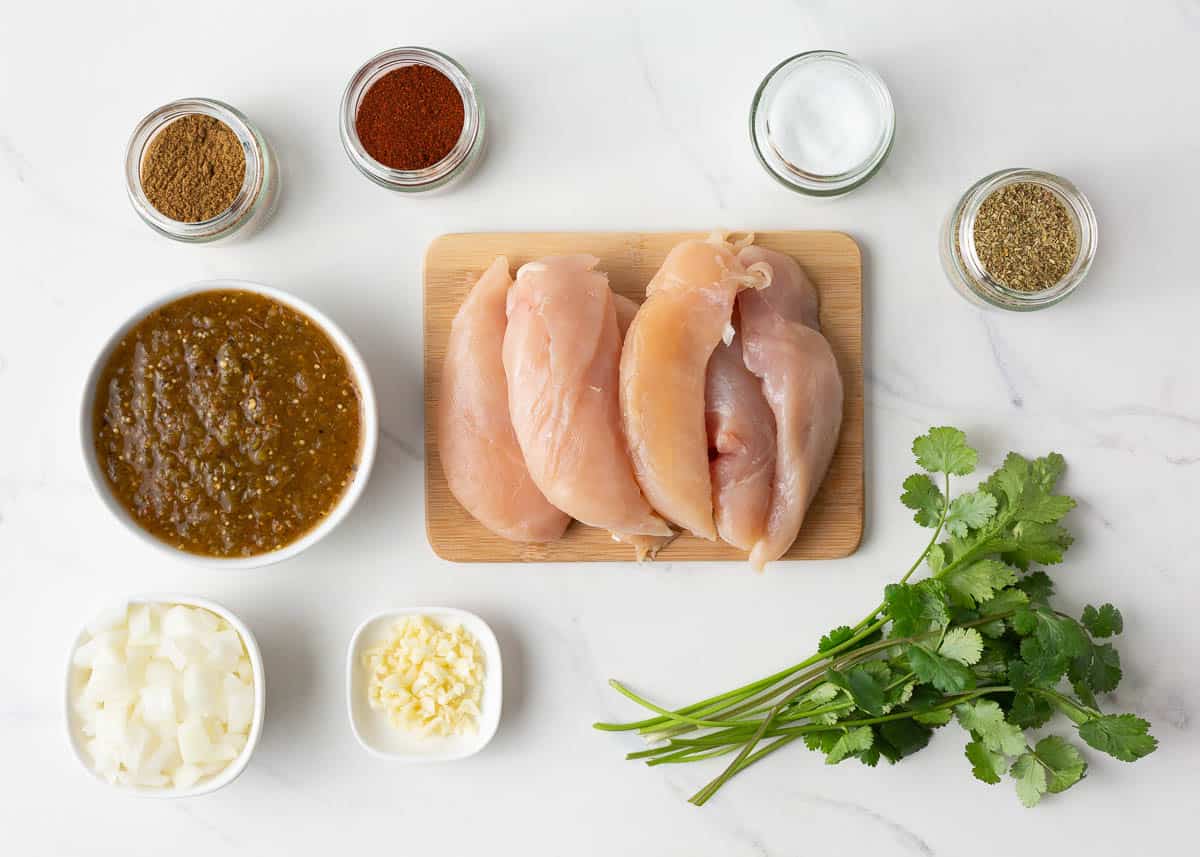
[453, 261]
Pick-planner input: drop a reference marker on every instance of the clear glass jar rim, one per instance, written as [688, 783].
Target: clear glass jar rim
[972, 268]
[152, 124]
[798, 179]
[368, 74]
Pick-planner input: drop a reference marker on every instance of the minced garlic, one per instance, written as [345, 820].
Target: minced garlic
[428, 678]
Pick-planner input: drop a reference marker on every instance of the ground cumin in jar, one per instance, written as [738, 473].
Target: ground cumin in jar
[197, 171]
[411, 120]
[193, 168]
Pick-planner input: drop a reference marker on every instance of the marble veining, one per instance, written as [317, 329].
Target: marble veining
[904, 839]
[1014, 395]
[400, 443]
[17, 164]
[669, 122]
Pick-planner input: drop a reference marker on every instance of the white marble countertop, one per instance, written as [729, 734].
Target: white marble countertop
[603, 117]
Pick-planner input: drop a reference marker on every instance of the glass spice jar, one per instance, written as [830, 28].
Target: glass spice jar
[254, 203]
[822, 123]
[960, 257]
[460, 159]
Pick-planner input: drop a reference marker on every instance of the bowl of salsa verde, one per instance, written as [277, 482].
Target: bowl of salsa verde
[230, 423]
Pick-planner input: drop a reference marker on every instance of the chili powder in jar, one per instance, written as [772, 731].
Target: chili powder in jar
[410, 118]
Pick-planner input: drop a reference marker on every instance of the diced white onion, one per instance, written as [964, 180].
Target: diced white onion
[163, 695]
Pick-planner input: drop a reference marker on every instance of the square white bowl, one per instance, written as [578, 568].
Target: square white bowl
[373, 729]
[234, 769]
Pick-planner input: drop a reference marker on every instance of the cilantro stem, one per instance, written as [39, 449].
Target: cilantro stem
[747, 749]
[785, 734]
[1073, 708]
[721, 701]
[701, 797]
[673, 715]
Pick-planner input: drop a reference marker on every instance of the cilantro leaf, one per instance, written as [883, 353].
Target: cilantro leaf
[964, 645]
[1085, 694]
[1037, 586]
[819, 696]
[972, 584]
[1037, 542]
[1058, 635]
[821, 742]
[1004, 601]
[1030, 777]
[936, 559]
[851, 742]
[839, 635]
[1045, 666]
[1009, 482]
[984, 719]
[1098, 669]
[1029, 511]
[1047, 470]
[1062, 761]
[899, 738]
[945, 450]
[969, 512]
[985, 764]
[914, 608]
[948, 676]
[865, 689]
[997, 654]
[1029, 711]
[1044, 508]
[1018, 675]
[1103, 622]
[924, 498]
[1122, 736]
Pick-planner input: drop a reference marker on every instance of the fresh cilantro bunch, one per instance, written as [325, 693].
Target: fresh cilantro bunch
[977, 641]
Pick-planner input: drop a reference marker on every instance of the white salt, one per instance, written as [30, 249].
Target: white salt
[825, 118]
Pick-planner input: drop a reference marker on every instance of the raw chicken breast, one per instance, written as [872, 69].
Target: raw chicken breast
[626, 310]
[782, 345]
[663, 362]
[480, 456]
[741, 433]
[561, 358]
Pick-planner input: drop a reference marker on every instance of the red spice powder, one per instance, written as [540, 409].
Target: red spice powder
[410, 118]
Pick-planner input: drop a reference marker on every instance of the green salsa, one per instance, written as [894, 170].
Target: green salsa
[227, 424]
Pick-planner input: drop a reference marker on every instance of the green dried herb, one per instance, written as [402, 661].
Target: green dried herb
[1024, 237]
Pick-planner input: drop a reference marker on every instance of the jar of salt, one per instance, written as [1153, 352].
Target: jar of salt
[822, 123]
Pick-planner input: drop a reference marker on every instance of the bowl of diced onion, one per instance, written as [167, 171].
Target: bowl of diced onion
[165, 696]
[423, 684]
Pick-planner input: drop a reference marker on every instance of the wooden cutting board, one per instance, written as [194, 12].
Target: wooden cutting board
[452, 264]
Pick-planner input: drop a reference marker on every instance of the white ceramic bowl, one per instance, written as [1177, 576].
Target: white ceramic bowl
[372, 728]
[234, 769]
[370, 426]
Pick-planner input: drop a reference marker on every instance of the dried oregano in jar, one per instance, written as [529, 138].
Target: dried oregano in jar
[1018, 239]
[1024, 237]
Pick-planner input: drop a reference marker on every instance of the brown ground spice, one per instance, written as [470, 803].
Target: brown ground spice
[193, 169]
